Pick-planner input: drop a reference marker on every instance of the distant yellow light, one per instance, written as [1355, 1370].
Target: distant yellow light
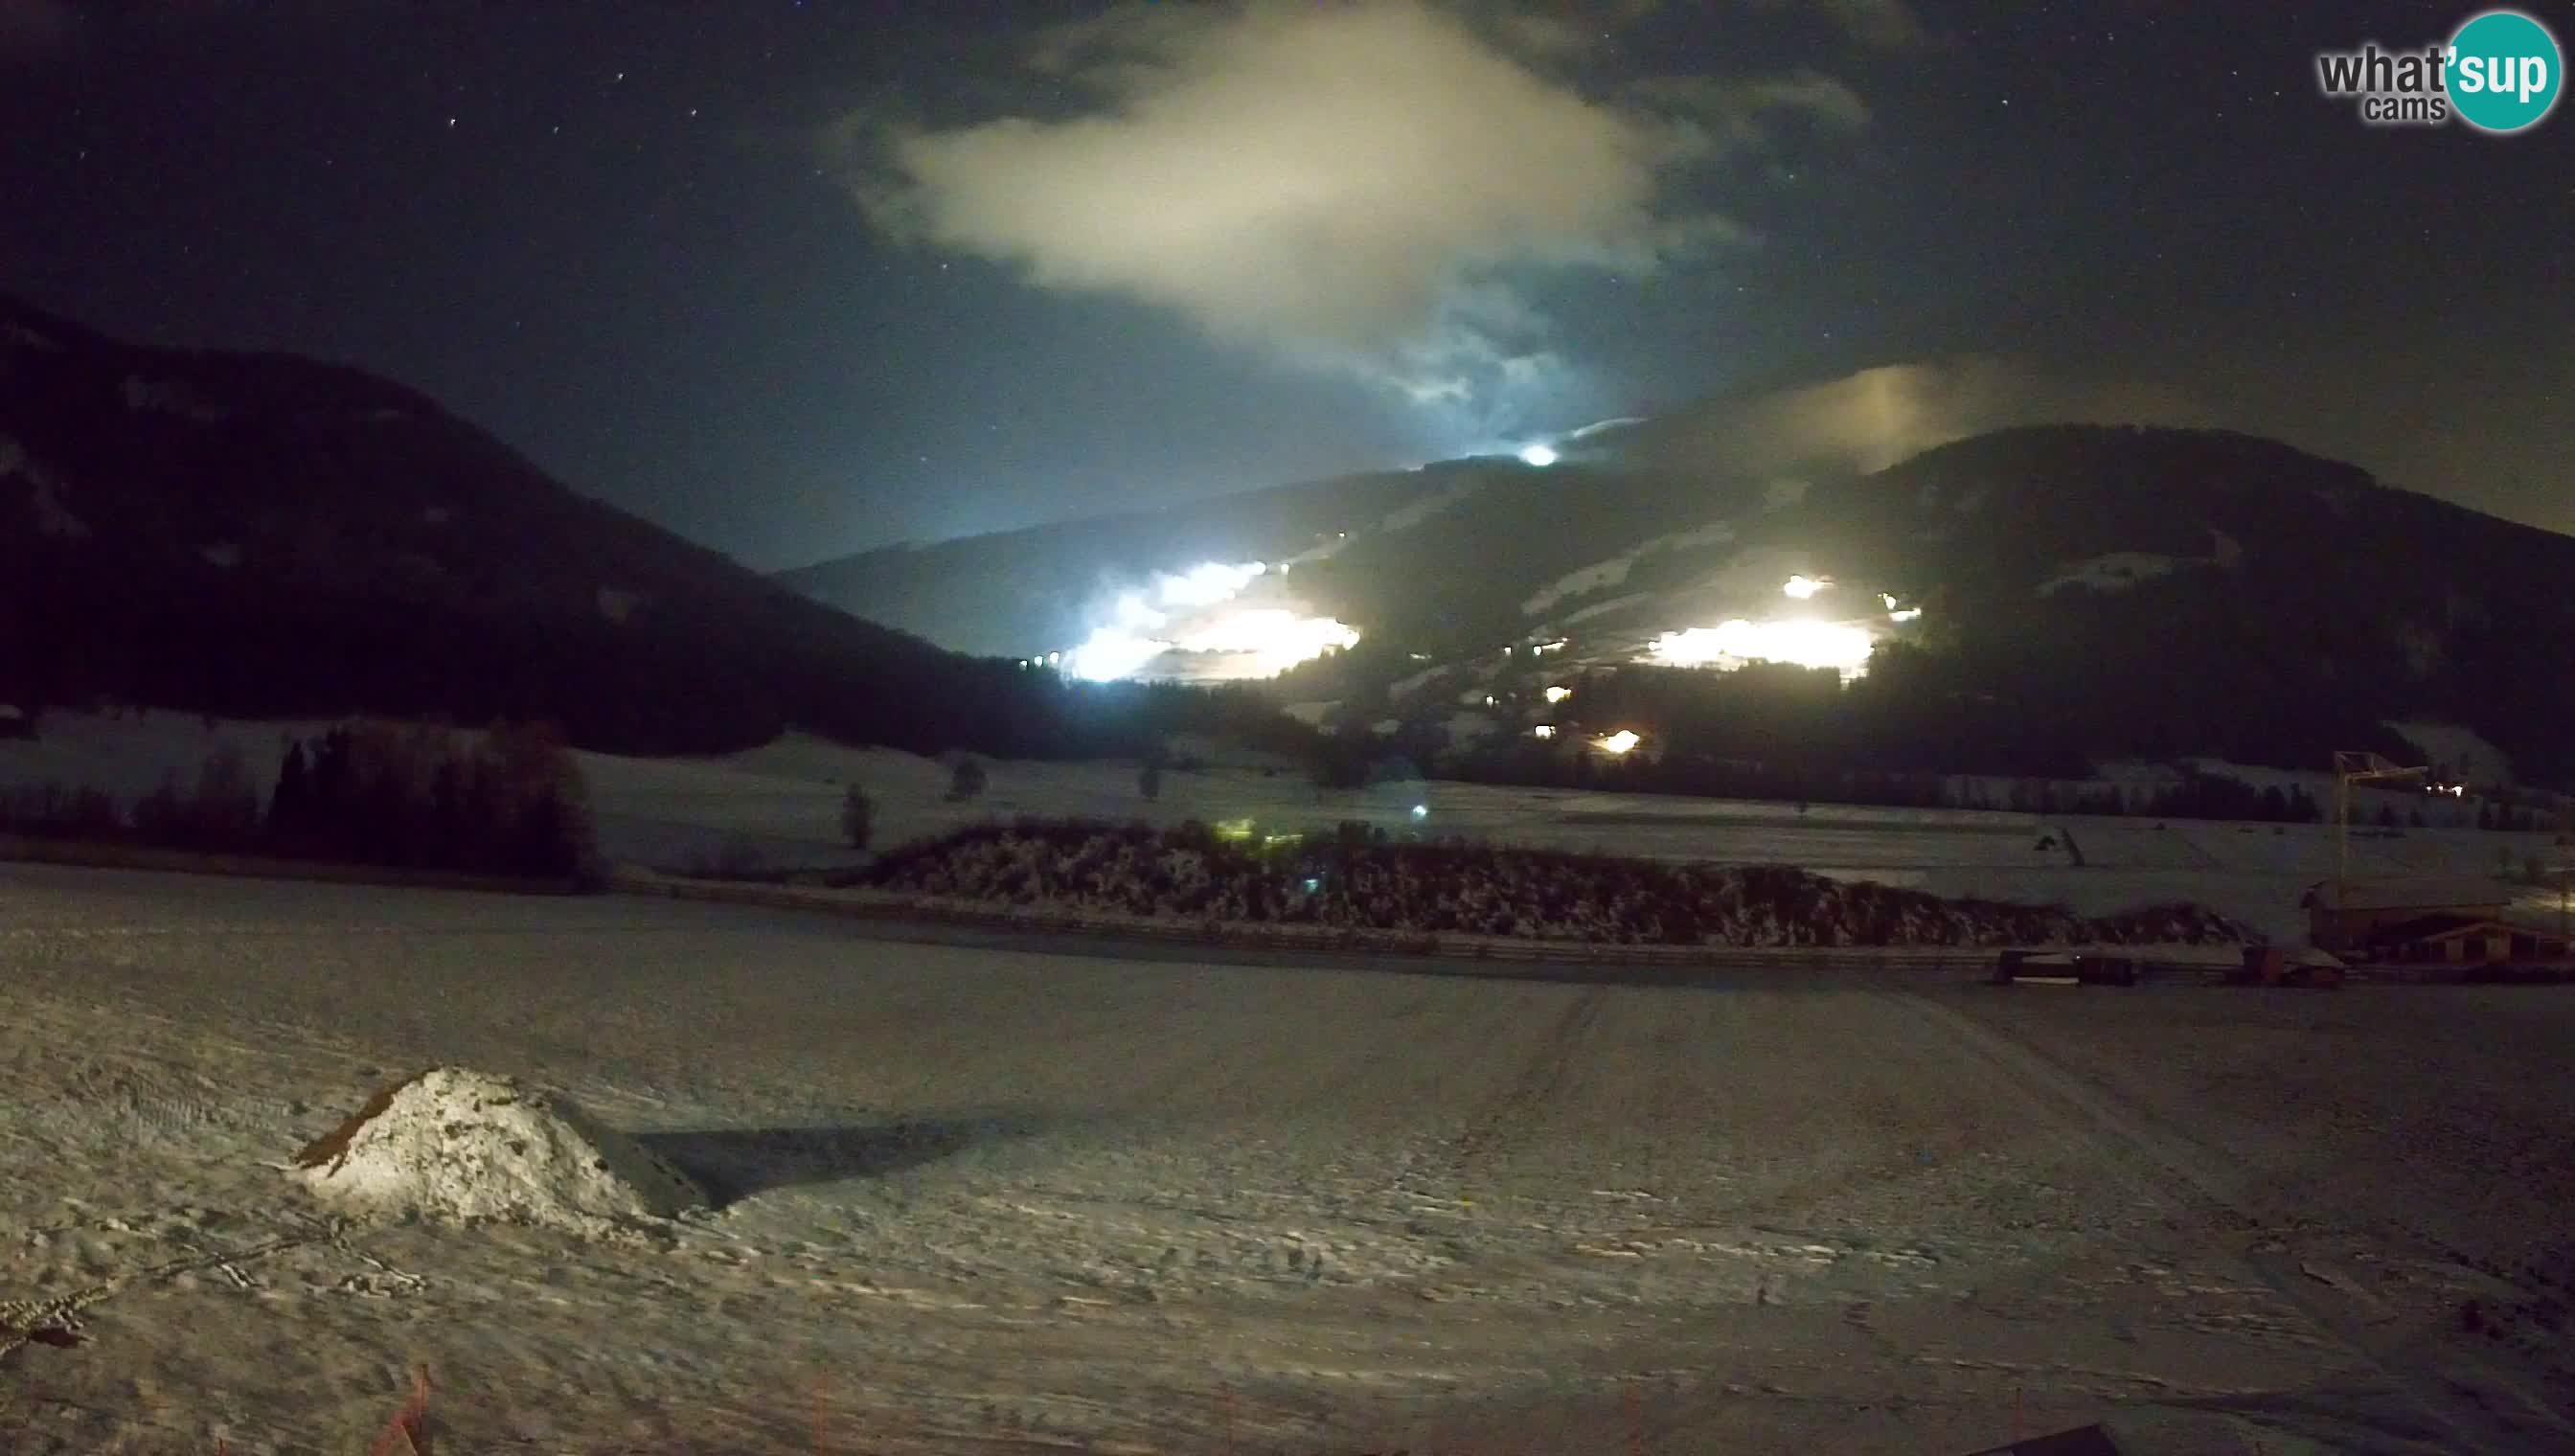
[1558, 695]
[1802, 586]
[1544, 731]
[1617, 742]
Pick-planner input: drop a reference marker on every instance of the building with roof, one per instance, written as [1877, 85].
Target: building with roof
[2443, 939]
[2354, 917]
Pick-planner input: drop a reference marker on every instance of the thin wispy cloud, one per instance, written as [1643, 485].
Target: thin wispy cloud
[1877, 417]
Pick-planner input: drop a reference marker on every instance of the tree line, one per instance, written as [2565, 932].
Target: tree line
[509, 801]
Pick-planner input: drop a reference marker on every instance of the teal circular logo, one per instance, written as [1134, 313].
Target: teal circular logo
[2503, 72]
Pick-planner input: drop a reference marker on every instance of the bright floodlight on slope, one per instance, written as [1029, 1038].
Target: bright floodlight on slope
[1731, 643]
[1802, 586]
[1540, 456]
[1110, 653]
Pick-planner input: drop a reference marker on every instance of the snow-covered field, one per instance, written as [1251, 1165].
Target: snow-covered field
[990, 1200]
[783, 801]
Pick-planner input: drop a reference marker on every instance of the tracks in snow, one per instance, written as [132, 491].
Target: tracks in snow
[2480, 1406]
[1525, 1102]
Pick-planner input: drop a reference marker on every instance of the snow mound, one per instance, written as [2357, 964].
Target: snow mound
[460, 1145]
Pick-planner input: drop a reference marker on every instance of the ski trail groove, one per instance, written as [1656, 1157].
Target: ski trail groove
[1542, 1078]
[2449, 1386]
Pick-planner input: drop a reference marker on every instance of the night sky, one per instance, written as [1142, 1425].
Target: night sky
[796, 278]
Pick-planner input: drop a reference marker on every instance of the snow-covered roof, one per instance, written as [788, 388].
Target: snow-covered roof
[2461, 750]
[2407, 892]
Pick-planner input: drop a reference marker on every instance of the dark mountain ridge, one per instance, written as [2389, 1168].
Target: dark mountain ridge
[2079, 592]
[253, 533]
[1013, 592]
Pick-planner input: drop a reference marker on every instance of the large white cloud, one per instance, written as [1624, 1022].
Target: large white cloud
[1349, 184]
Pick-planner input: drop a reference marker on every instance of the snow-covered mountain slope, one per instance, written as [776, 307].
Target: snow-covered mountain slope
[1021, 592]
[2117, 590]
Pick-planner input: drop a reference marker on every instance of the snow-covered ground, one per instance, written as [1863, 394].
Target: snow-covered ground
[988, 1200]
[783, 801]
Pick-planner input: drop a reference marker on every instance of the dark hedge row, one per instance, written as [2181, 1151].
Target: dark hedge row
[1353, 878]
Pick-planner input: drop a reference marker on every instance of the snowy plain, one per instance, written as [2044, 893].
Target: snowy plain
[981, 1195]
[983, 1199]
